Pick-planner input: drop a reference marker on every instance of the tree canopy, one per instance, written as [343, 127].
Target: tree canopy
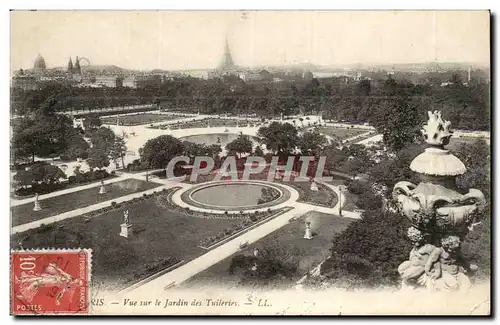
[157, 152]
[240, 145]
[280, 138]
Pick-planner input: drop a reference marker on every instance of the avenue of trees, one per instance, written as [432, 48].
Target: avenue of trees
[371, 101]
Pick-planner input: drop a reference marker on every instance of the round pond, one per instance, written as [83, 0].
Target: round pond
[221, 139]
[236, 195]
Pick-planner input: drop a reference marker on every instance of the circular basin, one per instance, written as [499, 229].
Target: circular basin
[216, 138]
[234, 196]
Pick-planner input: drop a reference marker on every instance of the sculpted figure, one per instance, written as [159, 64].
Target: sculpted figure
[421, 266]
[452, 276]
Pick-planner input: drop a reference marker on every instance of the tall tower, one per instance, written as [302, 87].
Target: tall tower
[70, 66]
[227, 62]
[77, 69]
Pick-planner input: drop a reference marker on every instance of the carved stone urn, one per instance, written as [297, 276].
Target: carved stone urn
[439, 212]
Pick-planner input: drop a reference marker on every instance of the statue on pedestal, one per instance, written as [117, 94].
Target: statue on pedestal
[314, 186]
[440, 214]
[126, 227]
[125, 217]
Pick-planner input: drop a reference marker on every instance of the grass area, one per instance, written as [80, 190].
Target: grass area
[340, 133]
[159, 234]
[323, 197]
[289, 244]
[24, 213]
[138, 119]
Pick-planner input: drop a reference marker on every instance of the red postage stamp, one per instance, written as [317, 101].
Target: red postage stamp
[50, 282]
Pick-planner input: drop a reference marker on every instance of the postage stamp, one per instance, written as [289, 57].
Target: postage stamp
[50, 281]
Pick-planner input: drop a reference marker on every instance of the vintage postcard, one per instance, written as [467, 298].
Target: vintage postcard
[250, 163]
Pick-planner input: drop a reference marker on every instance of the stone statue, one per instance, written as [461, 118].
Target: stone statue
[125, 217]
[102, 189]
[421, 265]
[308, 233]
[452, 274]
[439, 213]
[37, 206]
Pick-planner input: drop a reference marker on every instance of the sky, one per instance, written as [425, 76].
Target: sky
[195, 39]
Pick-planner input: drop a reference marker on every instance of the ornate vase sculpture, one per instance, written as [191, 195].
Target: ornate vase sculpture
[439, 212]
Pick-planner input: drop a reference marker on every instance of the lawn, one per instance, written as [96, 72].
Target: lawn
[138, 119]
[340, 133]
[287, 242]
[24, 213]
[159, 235]
[323, 197]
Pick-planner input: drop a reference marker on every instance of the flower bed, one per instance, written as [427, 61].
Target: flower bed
[268, 194]
[324, 197]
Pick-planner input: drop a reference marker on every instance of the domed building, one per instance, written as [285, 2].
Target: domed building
[39, 65]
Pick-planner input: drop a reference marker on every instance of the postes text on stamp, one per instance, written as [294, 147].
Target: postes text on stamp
[49, 282]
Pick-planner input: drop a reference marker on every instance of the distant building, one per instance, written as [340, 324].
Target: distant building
[250, 76]
[39, 66]
[200, 74]
[102, 81]
[142, 81]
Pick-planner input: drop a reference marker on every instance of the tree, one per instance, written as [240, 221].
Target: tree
[258, 152]
[98, 158]
[240, 145]
[396, 168]
[118, 150]
[398, 121]
[157, 152]
[40, 135]
[279, 138]
[77, 147]
[103, 138]
[369, 250]
[334, 156]
[92, 121]
[311, 142]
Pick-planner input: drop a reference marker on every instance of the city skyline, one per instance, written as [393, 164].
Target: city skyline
[146, 40]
